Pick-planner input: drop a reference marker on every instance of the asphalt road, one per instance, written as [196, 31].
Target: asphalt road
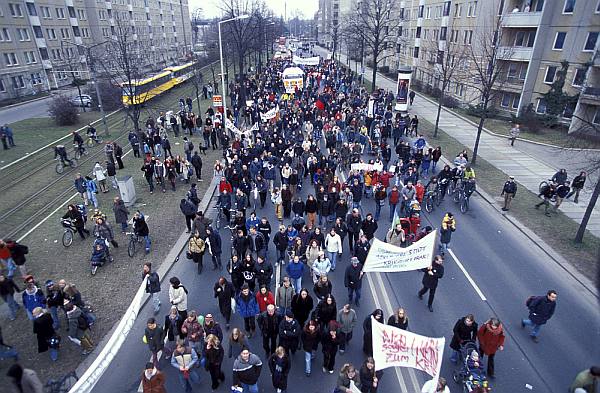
[30, 110]
[505, 266]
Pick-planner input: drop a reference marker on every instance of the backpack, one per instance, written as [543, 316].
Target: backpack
[530, 300]
[82, 322]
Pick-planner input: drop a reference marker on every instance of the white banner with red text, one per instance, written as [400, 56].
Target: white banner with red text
[387, 258]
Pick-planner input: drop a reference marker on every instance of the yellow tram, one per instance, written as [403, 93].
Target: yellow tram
[143, 90]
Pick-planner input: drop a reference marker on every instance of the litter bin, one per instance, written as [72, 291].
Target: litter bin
[127, 190]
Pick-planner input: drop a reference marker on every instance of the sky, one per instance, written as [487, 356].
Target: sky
[307, 7]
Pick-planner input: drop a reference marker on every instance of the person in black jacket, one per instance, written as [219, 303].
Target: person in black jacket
[361, 249]
[577, 185]
[541, 309]
[188, 209]
[246, 371]
[561, 193]
[311, 335]
[281, 243]
[465, 330]
[7, 293]
[330, 341]
[431, 276]
[152, 285]
[140, 227]
[369, 226]
[508, 192]
[224, 292]
[289, 332]
[54, 301]
[302, 305]
[279, 364]
[74, 215]
[268, 323]
[354, 224]
[197, 164]
[264, 272]
[368, 331]
[547, 193]
[264, 227]
[241, 244]
[353, 281]
[213, 242]
[298, 207]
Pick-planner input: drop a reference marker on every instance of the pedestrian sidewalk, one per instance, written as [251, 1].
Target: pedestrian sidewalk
[528, 170]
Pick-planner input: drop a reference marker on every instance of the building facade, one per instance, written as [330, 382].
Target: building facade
[328, 20]
[39, 38]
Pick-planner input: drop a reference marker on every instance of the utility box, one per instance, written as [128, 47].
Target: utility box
[127, 190]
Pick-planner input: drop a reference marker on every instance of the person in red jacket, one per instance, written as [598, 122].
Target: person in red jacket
[225, 185]
[491, 339]
[419, 191]
[264, 297]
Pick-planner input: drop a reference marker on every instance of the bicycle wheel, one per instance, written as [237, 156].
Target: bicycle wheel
[77, 154]
[456, 195]
[131, 248]
[59, 168]
[67, 238]
[218, 221]
[464, 205]
[90, 142]
[428, 204]
[543, 185]
[437, 198]
[94, 270]
[73, 164]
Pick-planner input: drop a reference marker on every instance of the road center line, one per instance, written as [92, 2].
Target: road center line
[468, 276]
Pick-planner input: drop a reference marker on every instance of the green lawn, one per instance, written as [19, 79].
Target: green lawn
[490, 179]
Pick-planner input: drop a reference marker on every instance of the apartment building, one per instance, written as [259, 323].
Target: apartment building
[329, 18]
[534, 38]
[39, 38]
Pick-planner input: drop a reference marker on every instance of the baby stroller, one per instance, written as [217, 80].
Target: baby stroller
[100, 254]
[471, 373]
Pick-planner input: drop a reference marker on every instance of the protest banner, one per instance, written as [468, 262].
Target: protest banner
[384, 257]
[270, 114]
[312, 61]
[363, 166]
[293, 77]
[394, 347]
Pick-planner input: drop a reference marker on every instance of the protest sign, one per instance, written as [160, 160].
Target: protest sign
[384, 257]
[312, 61]
[394, 347]
[363, 166]
[270, 114]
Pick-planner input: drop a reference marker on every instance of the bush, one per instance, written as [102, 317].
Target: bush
[384, 69]
[416, 85]
[62, 111]
[111, 95]
[78, 82]
[478, 111]
[436, 92]
[450, 102]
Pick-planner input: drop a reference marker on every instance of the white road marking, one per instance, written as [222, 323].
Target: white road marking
[468, 276]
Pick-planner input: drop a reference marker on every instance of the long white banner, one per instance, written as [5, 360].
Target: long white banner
[384, 257]
[363, 166]
[394, 347]
[270, 114]
[307, 60]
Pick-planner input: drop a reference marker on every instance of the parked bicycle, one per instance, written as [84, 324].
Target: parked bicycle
[62, 384]
[61, 165]
[134, 239]
[221, 218]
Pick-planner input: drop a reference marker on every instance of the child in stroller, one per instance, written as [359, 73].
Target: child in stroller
[100, 254]
[472, 373]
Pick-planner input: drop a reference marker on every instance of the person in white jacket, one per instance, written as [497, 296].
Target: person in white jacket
[430, 387]
[321, 266]
[178, 297]
[333, 246]
[100, 175]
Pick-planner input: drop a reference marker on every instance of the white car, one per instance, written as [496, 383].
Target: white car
[82, 100]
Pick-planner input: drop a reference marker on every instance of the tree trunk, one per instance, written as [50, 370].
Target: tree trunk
[588, 213]
[437, 117]
[476, 148]
[374, 75]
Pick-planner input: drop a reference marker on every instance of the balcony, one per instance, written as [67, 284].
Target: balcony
[590, 95]
[522, 19]
[514, 53]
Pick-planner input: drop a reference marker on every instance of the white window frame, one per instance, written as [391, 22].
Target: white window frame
[30, 57]
[61, 14]
[587, 37]
[537, 106]
[577, 71]
[427, 12]
[565, 7]
[11, 59]
[597, 8]
[24, 34]
[5, 35]
[516, 100]
[45, 11]
[14, 7]
[556, 39]
[36, 79]
[553, 76]
[20, 78]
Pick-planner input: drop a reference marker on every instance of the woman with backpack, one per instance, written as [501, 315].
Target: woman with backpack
[196, 247]
[79, 328]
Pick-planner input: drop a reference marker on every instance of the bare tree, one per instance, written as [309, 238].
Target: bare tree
[375, 24]
[487, 69]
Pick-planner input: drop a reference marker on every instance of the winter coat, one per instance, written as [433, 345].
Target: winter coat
[246, 372]
[214, 240]
[463, 333]
[42, 328]
[264, 272]
[121, 212]
[193, 330]
[310, 341]
[322, 290]
[369, 228]
[30, 383]
[541, 310]
[395, 322]
[171, 328]
[312, 253]
[246, 306]
[214, 356]
[361, 250]
[301, 308]
[289, 333]
[235, 347]
[263, 300]
[33, 298]
[187, 207]
[73, 329]
[280, 368]
[347, 321]
[324, 313]
[354, 223]
[366, 379]
[329, 344]
[430, 281]
[224, 294]
[490, 339]
[352, 276]
[448, 226]
[178, 297]
[156, 384]
[295, 270]
[75, 217]
[333, 243]
[394, 238]
[284, 296]
[343, 381]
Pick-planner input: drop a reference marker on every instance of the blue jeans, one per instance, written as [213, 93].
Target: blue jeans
[535, 329]
[92, 198]
[187, 383]
[353, 293]
[155, 301]
[297, 282]
[377, 210]
[123, 226]
[307, 361]
[8, 352]
[148, 243]
[53, 354]
[332, 256]
[29, 315]
[250, 388]
[443, 247]
[392, 210]
[55, 320]
[13, 306]
[356, 205]
[454, 357]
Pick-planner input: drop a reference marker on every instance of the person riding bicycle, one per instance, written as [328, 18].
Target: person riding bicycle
[77, 140]
[91, 133]
[432, 185]
[560, 177]
[61, 151]
[457, 174]
[469, 172]
[469, 186]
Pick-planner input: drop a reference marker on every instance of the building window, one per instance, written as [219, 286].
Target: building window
[46, 12]
[457, 10]
[81, 14]
[443, 33]
[44, 53]
[596, 116]
[523, 71]
[11, 59]
[60, 13]
[506, 98]
[15, 10]
[85, 32]
[419, 32]
[2, 87]
[590, 42]
[598, 7]
[23, 35]
[579, 77]
[30, 57]
[416, 52]
[516, 99]
[51, 34]
[559, 40]
[4, 35]
[541, 106]
[31, 9]
[550, 74]
[18, 82]
[513, 69]
[37, 31]
[569, 7]
[447, 6]
[36, 79]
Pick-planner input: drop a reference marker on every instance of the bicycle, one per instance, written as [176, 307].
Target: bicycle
[67, 237]
[79, 150]
[131, 246]
[63, 384]
[432, 198]
[60, 165]
[464, 202]
[91, 141]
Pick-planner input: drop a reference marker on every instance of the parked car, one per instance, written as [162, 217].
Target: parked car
[82, 100]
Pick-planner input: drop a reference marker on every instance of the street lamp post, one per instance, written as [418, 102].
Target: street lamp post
[88, 50]
[224, 100]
